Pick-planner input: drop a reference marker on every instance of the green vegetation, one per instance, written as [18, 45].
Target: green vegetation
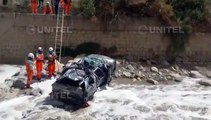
[177, 13]
[104, 9]
[178, 42]
[187, 14]
[87, 8]
[189, 11]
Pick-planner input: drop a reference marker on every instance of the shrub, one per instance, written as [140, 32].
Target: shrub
[163, 7]
[178, 42]
[189, 11]
[87, 8]
[186, 13]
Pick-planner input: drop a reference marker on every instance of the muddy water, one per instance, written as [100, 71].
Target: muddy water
[184, 101]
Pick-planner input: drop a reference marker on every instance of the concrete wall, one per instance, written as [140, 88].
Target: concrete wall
[9, 2]
[22, 33]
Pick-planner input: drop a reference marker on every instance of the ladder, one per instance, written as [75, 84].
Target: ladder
[59, 32]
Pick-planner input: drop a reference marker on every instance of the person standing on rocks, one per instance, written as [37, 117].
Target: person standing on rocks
[39, 62]
[29, 69]
[51, 66]
[48, 9]
[67, 6]
[34, 5]
[51, 62]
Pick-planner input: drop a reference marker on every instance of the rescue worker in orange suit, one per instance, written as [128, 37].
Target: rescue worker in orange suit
[48, 9]
[39, 62]
[51, 62]
[67, 6]
[34, 5]
[29, 69]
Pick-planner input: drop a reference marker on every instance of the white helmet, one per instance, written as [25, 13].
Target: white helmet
[50, 49]
[31, 55]
[40, 49]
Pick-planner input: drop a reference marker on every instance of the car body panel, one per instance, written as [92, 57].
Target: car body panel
[81, 80]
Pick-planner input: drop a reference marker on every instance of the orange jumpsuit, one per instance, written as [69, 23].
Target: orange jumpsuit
[48, 10]
[67, 6]
[29, 71]
[51, 64]
[39, 65]
[34, 5]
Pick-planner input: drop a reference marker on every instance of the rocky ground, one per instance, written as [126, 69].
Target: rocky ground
[141, 73]
[133, 73]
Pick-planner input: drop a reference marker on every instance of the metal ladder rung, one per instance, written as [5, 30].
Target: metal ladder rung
[59, 32]
[58, 42]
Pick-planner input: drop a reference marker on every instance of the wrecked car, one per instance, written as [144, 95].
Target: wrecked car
[79, 81]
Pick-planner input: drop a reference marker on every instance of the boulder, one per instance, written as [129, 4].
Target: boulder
[184, 72]
[4, 87]
[123, 69]
[177, 67]
[19, 83]
[154, 82]
[205, 82]
[117, 73]
[36, 92]
[153, 61]
[139, 79]
[173, 69]
[138, 74]
[9, 82]
[195, 74]
[127, 74]
[18, 80]
[208, 74]
[177, 77]
[130, 67]
[118, 63]
[165, 79]
[165, 63]
[134, 80]
[140, 67]
[59, 66]
[165, 71]
[170, 78]
[33, 92]
[16, 74]
[149, 62]
[154, 69]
